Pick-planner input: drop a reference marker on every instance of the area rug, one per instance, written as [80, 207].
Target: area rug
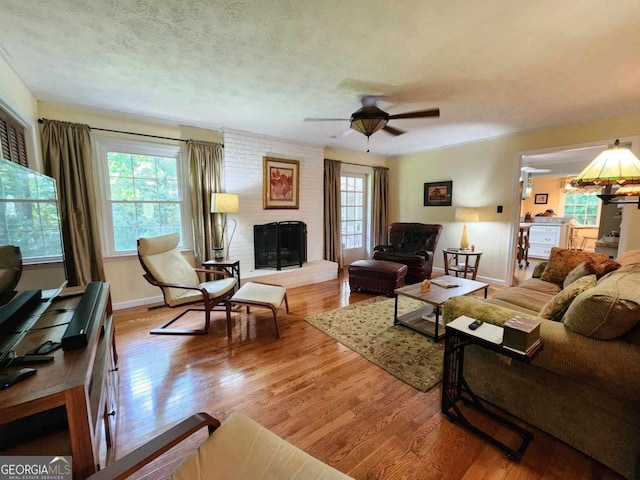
[367, 328]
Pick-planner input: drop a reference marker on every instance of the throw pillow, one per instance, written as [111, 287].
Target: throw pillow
[563, 260]
[558, 305]
[584, 268]
[629, 258]
[601, 269]
[539, 268]
[609, 310]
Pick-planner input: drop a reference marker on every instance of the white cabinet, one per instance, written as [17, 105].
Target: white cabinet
[542, 238]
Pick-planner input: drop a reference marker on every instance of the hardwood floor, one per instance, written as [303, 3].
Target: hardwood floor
[312, 391]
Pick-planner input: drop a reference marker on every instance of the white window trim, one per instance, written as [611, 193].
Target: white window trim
[101, 146]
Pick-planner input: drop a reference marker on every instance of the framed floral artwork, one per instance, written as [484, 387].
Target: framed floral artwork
[281, 183]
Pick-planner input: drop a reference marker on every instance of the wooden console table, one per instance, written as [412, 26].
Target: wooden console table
[79, 385]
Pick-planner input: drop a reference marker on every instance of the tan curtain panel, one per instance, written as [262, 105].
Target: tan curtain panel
[379, 197]
[66, 150]
[332, 217]
[205, 177]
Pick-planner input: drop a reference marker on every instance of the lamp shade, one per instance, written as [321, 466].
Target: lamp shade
[628, 190]
[617, 165]
[467, 215]
[368, 120]
[224, 202]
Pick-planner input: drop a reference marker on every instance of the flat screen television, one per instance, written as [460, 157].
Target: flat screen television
[30, 225]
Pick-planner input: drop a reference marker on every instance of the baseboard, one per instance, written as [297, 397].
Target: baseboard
[139, 302]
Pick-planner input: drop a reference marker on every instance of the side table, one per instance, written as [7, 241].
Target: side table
[232, 267]
[460, 262]
[455, 388]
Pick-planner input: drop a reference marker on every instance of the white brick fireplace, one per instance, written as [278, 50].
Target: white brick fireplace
[243, 171]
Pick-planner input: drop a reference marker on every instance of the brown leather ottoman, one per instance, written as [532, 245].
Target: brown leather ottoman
[379, 276]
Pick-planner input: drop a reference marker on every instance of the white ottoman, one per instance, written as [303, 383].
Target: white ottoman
[254, 294]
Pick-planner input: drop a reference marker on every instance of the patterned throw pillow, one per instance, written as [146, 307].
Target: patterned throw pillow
[584, 268]
[558, 305]
[563, 260]
[539, 268]
[601, 269]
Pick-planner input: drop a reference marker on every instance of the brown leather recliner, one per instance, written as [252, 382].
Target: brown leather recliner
[412, 244]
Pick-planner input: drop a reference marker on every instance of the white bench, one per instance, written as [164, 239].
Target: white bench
[254, 294]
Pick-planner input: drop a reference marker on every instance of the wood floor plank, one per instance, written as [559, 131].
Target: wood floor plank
[311, 390]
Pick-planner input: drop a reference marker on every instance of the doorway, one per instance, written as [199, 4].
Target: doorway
[354, 226]
[544, 175]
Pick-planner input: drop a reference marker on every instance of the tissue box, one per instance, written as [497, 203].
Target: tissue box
[521, 333]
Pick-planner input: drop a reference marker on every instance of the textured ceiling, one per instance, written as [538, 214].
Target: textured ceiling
[492, 67]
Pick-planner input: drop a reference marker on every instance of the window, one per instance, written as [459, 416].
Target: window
[143, 192]
[352, 193]
[583, 206]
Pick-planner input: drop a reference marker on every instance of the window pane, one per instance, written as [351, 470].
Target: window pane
[145, 189]
[122, 189]
[146, 195]
[124, 214]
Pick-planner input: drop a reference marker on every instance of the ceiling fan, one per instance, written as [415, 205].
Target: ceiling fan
[369, 118]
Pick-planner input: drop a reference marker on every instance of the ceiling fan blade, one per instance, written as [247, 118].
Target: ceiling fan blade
[393, 131]
[344, 134]
[434, 112]
[326, 119]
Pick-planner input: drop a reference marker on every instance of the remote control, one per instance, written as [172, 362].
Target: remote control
[9, 378]
[475, 325]
[30, 360]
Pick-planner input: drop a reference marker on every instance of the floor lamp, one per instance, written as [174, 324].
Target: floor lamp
[224, 203]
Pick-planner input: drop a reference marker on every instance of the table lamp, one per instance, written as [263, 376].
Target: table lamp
[466, 215]
[224, 203]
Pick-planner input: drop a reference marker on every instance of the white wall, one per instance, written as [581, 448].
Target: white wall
[243, 158]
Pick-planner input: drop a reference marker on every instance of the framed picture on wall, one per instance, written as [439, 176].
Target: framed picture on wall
[542, 198]
[438, 194]
[280, 183]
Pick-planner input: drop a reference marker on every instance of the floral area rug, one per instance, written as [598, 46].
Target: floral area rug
[367, 328]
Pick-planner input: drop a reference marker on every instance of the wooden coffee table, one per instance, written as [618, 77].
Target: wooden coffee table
[426, 320]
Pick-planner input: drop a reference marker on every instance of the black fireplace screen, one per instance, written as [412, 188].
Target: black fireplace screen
[280, 244]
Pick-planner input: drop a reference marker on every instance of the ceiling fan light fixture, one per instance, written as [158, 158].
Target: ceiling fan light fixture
[368, 120]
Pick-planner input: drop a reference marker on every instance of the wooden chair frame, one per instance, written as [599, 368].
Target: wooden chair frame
[151, 450]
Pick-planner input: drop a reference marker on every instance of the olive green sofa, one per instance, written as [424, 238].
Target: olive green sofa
[584, 386]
